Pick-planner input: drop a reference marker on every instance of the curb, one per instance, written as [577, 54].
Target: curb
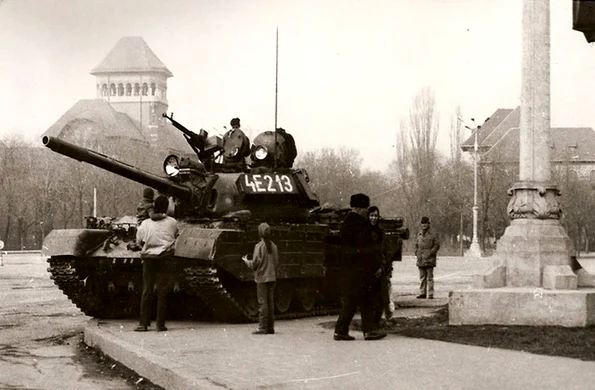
[158, 370]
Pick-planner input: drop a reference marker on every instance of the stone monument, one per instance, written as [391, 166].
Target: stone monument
[531, 281]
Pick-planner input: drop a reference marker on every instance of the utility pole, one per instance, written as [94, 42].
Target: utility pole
[475, 248]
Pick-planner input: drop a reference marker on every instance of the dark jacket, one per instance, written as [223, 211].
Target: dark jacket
[381, 251]
[357, 254]
[426, 248]
[144, 210]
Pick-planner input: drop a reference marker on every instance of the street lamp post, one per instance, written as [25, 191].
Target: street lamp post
[474, 249]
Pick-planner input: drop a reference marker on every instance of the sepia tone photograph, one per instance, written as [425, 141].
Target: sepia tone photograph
[392, 194]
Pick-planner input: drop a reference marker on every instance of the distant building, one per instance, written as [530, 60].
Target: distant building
[131, 87]
[571, 148]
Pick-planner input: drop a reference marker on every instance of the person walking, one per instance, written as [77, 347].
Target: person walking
[381, 286]
[265, 263]
[157, 237]
[426, 249]
[358, 268]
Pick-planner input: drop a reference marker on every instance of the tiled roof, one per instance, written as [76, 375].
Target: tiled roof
[112, 123]
[131, 54]
[487, 128]
[173, 138]
[499, 140]
[576, 144]
[512, 120]
[568, 144]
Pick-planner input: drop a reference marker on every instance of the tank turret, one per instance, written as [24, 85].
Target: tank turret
[219, 181]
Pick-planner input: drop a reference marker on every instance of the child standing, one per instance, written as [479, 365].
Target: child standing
[264, 263]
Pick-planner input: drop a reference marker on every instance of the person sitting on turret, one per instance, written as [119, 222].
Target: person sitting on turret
[290, 149]
[236, 145]
[145, 208]
[235, 124]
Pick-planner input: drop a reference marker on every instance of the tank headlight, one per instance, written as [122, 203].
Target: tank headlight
[261, 152]
[171, 170]
[171, 165]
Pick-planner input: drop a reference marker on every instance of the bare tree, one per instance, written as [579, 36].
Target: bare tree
[334, 175]
[417, 158]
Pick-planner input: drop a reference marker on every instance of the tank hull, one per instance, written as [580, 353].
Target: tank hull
[207, 278]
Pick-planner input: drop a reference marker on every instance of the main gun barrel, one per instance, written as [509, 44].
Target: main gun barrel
[161, 184]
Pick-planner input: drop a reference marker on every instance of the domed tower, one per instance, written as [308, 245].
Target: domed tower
[134, 81]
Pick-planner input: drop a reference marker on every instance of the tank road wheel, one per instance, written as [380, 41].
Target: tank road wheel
[283, 294]
[307, 294]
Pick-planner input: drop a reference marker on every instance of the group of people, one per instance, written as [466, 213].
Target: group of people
[366, 270]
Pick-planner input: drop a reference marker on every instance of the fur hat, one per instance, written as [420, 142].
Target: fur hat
[235, 122]
[425, 220]
[361, 201]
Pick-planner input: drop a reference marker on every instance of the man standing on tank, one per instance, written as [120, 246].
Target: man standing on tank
[359, 267]
[157, 237]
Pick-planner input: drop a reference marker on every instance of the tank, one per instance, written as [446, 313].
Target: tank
[219, 196]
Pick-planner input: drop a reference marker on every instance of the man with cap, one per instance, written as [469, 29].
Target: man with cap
[359, 266]
[426, 248]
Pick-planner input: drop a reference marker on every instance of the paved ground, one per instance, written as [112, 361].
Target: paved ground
[303, 355]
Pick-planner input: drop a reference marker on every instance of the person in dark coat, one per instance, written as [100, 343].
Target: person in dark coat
[426, 248]
[359, 268]
[382, 285]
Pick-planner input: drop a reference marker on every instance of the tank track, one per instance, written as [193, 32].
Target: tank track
[206, 284]
[64, 275]
[202, 280]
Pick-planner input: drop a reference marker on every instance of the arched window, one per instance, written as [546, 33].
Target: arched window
[152, 89]
[136, 89]
[104, 90]
[128, 89]
[120, 89]
[145, 89]
[112, 89]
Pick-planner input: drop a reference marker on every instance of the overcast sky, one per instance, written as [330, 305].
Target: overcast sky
[348, 69]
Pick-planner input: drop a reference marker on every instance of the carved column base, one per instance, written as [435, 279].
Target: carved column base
[534, 200]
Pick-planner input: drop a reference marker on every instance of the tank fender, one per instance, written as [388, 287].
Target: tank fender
[73, 242]
[197, 243]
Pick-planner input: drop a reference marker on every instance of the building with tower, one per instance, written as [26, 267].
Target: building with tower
[131, 96]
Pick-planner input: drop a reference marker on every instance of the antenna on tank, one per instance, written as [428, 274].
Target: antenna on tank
[276, 93]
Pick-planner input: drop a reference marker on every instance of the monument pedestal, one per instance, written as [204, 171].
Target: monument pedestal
[530, 282]
[522, 306]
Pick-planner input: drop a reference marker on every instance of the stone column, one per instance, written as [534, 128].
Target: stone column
[535, 238]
